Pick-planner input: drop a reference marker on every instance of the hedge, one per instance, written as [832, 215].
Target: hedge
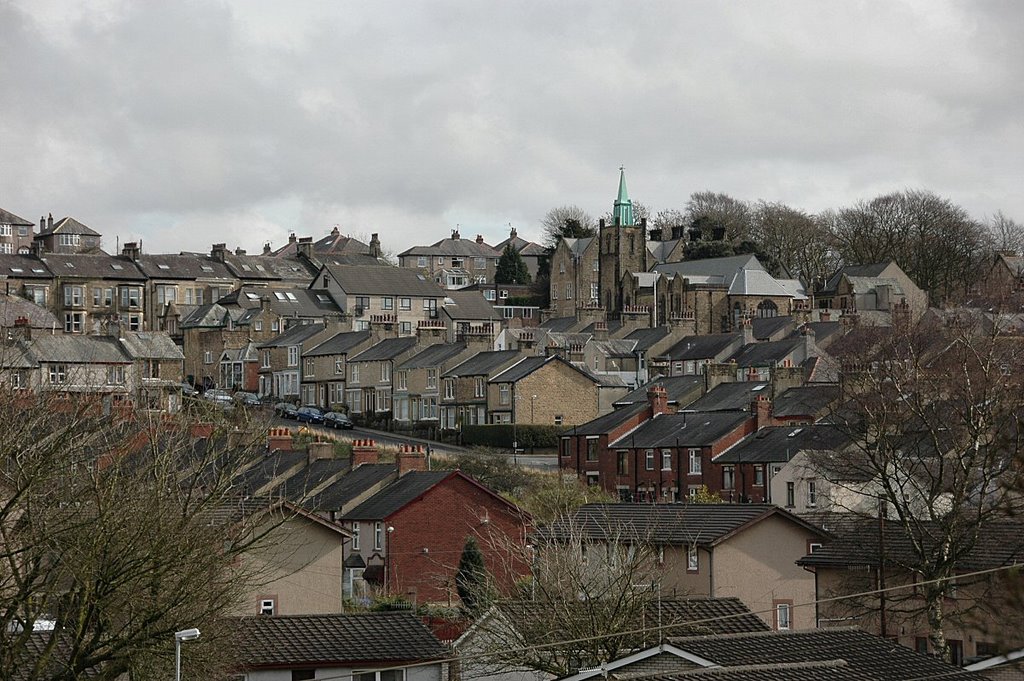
[500, 435]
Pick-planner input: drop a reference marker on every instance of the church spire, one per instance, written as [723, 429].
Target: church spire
[622, 212]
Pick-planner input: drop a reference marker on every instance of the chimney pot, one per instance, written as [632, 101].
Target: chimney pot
[479, 238]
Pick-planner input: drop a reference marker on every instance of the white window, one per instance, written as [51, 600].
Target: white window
[266, 359]
[458, 262]
[694, 462]
[385, 372]
[208, 357]
[503, 294]
[378, 536]
[355, 535]
[440, 260]
[74, 322]
[432, 379]
[166, 294]
[593, 292]
[479, 263]
[267, 606]
[490, 294]
[387, 303]
[479, 387]
[568, 291]
[666, 459]
[275, 325]
[728, 477]
[355, 373]
[421, 261]
[403, 380]
[70, 239]
[504, 394]
[74, 295]
[449, 388]
[115, 375]
[405, 303]
[257, 325]
[692, 558]
[559, 419]
[293, 355]
[310, 367]
[782, 616]
[649, 460]
[405, 328]
[339, 365]
[812, 493]
[6, 248]
[5, 230]
[355, 401]
[58, 373]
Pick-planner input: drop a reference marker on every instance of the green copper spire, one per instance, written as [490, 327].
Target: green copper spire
[622, 213]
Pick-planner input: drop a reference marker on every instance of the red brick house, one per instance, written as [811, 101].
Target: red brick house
[409, 536]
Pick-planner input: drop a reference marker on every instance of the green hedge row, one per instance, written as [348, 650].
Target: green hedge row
[501, 435]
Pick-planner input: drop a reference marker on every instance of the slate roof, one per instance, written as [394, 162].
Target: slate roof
[823, 330]
[645, 338]
[268, 468]
[73, 349]
[781, 443]
[660, 250]
[246, 353]
[560, 324]
[702, 347]
[398, 281]
[403, 491]
[682, 429]
[855, 543]
[611, 420]
[269, 268]
[211, 315]
[766, 353]
[9, 218]
[723, 615]
[339, 344]
[522, 368]
[12, 307]
[182, 266]
[730, 397]
[433, 356]
[334, 244]
[766, 327]
[92, 266]
[448, 247]
[805, 400]
[483, 363]
[755, 282]
[469, 305]
[299, 301]
[872, 270]
[334, 640]
[296, 335]
[23, 267]
[389, 348]
[68, 226]
[724, 268]
[669, 524]
[150, 345]
[298, 486]
[679, 389]
[612, 325]
[867, 657]
[351, 485]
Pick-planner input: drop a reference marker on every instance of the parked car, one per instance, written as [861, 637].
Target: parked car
[334, 419]
[188, 390]
[309, 415]
[286, 410]
[248, 399]
[218, 396]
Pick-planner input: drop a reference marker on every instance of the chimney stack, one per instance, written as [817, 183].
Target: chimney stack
[218, 252]
[364, 451]
[411, 458]
[761, 408]
[479, 238]
[304, 247]
[42, 223]
[49, 221]
[239, 250]
[291, 238]
[319, 450]
[267, 250]
[657, 397]
[455, 233]
[747, 327]
[374, 245]
[130, 250]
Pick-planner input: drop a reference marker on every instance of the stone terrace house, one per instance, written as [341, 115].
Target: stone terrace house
[380, 646]
[240, 368]
[265, 271]
[370, 386]
[575, 277]
[454, 262]
[281, 360]
[410, 535]
[67, 235]
[158, 369]
[543, 390]
[692, 355]
[16, 234]
[390, 295]
[418, 383]
[335, 246]
[89, 292]
[982, 616]
[324, 367]
[178, 284]
[464, 397]
[879, 287]
[27, 276]
[746, 551]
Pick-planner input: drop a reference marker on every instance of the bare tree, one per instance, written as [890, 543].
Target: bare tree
[1006, 233]
[116, 531]
[933, 411]
[568, 221]
[722, 211]
[794, 239]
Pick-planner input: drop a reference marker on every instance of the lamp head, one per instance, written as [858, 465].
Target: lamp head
[186, 635]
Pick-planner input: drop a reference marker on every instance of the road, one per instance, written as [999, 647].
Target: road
[544, 462]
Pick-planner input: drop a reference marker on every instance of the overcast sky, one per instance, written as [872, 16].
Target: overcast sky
[184, 123]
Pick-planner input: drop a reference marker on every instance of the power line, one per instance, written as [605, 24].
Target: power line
[708, 620]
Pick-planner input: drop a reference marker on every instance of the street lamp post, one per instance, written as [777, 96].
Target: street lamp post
[533, 398]
[179, 638]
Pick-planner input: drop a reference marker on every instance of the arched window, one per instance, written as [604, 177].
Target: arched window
[767, 308]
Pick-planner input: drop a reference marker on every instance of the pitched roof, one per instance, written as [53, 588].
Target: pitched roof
[561, 324]
[754, 282]
[707, 346]
[669, 524]
[399, 281]
[210, 315]
[92, 266]
[765, 353]
[449, 247]
[182, 266]
[765, 327]
[434, 355]
[610, 421]
[339, 344]
[296, 335]
[13, 307]
[866, 656]
[270, 268]
[74, 349]
[730, 397]
[645, 338]
[483, 363]
[299, 301]
[335, 640]
[805, 400]
[68, 226]
[469, 305]
[389, 348]
[679, 389]
[150, 345]
[522, 368]
[351, 485]
[682, 429]
[405, 490]
[870, 270]
[721, 268]
[23, 267]
[9, 218]
[781, 443]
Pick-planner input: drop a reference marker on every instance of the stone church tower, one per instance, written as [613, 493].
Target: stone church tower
[623, 248]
